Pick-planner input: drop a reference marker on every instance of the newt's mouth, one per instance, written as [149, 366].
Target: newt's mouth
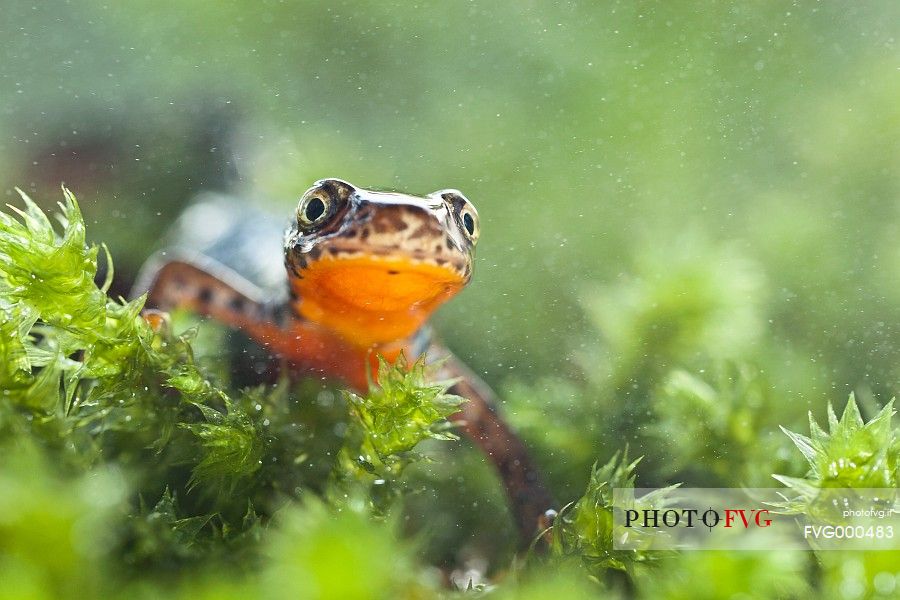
[374, 300]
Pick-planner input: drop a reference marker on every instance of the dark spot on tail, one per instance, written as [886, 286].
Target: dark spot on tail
[393, 272]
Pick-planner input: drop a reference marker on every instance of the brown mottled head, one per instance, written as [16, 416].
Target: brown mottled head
[373, 265]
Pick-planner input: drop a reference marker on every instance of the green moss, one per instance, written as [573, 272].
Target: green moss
[852, 453]
[148, 474]
[88, 386]
[585, 529]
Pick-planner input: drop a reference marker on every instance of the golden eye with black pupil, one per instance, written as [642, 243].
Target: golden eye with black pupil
[462, 211]
[469, 222]
[313, 210]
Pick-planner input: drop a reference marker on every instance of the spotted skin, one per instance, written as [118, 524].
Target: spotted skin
[365, 271]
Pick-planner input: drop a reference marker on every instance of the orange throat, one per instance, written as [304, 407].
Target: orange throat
[371, 301]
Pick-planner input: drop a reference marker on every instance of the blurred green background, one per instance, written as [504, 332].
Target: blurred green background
[689, 210]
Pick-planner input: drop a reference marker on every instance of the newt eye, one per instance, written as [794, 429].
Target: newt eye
[313, 210]
[463, 210]
[470, 222]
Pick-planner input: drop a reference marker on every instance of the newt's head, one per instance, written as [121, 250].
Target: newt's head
[373, 266]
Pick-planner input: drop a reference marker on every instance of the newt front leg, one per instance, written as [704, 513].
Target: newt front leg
[207, 287]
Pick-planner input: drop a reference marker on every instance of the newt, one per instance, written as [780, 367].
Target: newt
[364, 272]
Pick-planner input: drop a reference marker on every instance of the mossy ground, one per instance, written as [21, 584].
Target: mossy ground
[132, 468]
